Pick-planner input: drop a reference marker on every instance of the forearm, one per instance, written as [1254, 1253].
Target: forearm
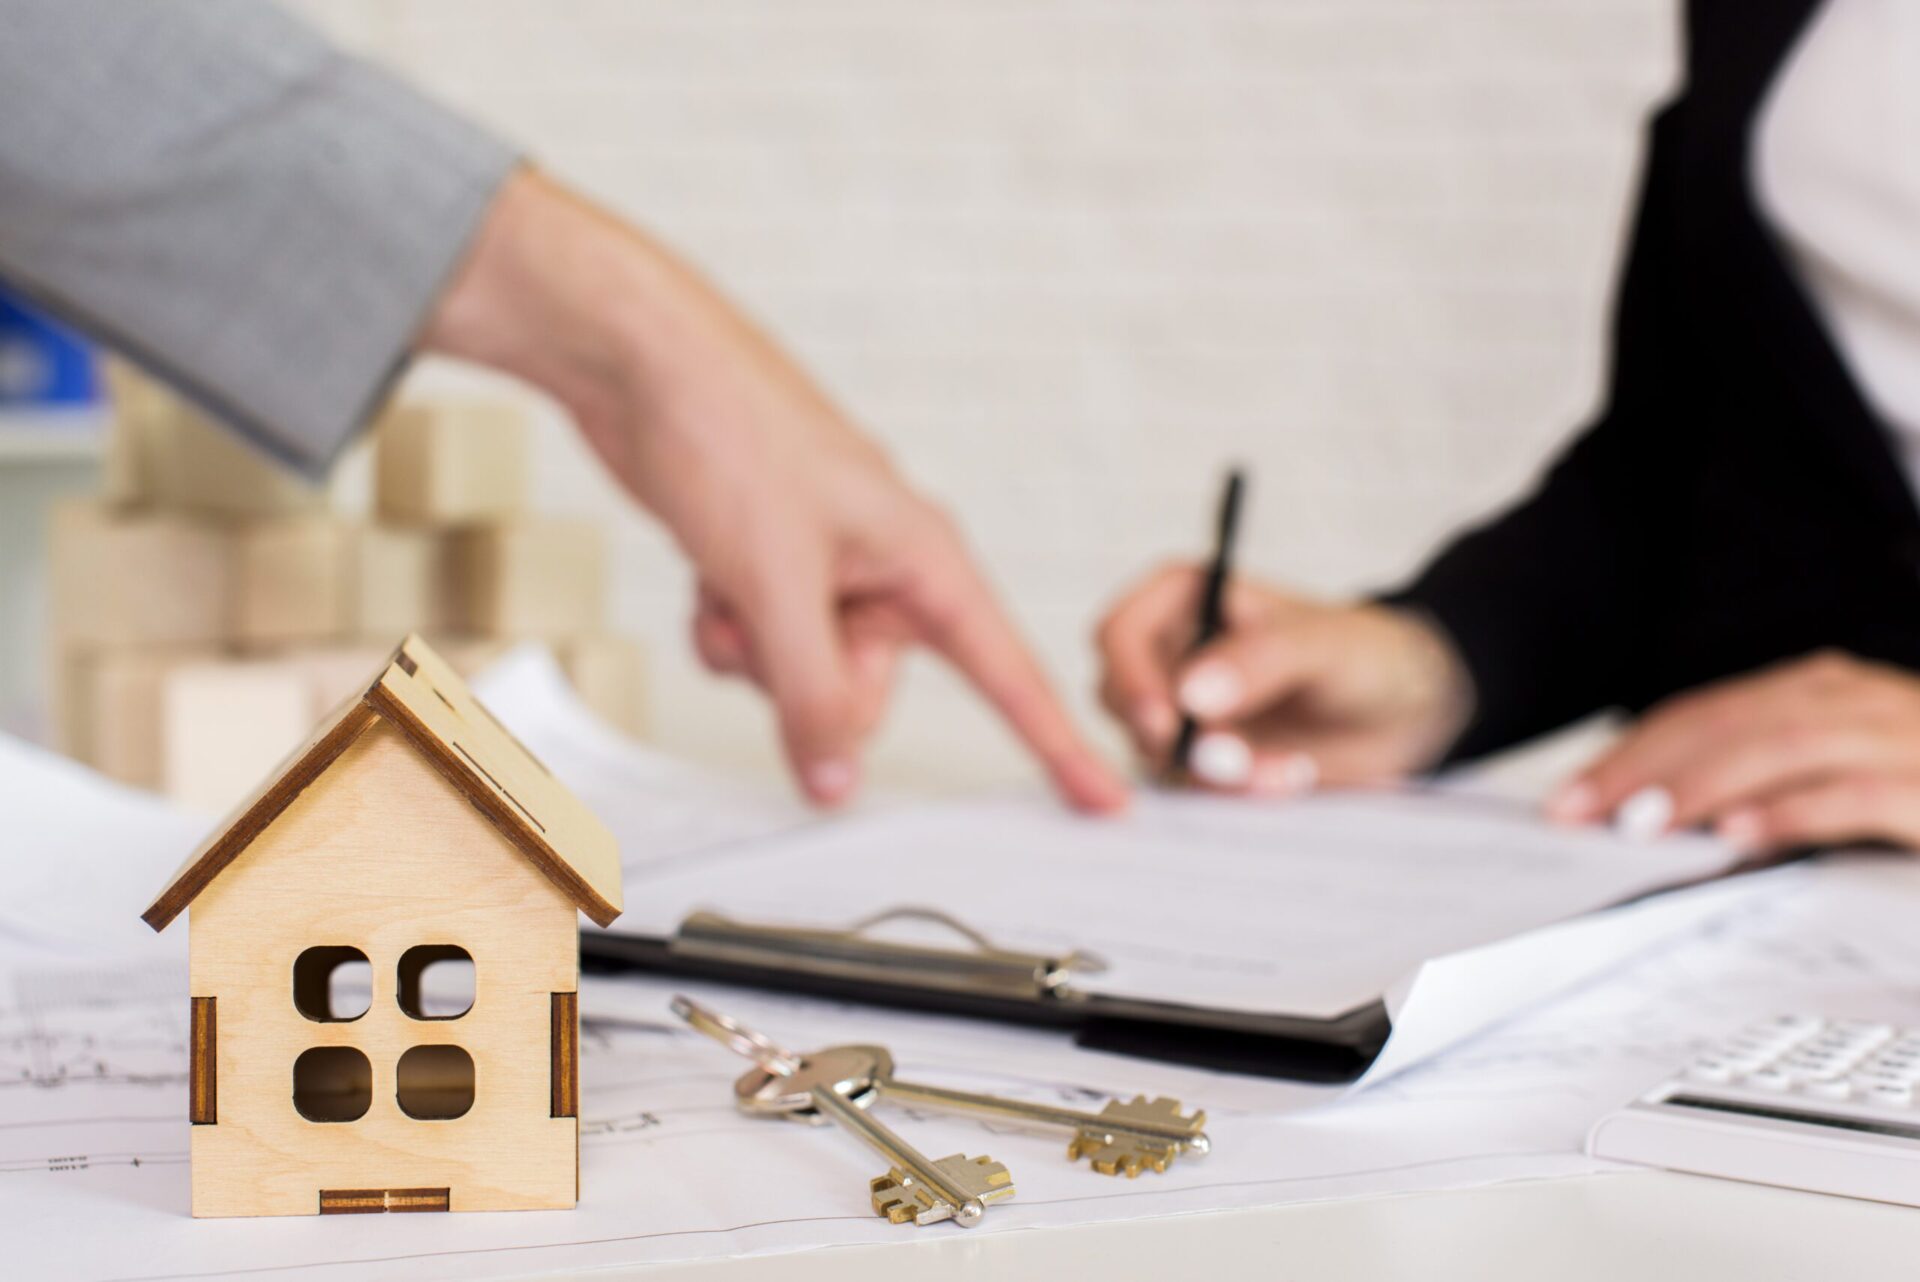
[644, 354]
[556, 291]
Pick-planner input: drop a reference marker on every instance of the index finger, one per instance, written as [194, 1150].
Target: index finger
[1667, 742]
[963, 621]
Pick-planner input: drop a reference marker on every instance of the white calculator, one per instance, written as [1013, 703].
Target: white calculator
[1802, 1102]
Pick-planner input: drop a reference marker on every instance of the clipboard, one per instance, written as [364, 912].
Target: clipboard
[981, 980]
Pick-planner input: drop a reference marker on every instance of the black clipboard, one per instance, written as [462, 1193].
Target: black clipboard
[983, 981]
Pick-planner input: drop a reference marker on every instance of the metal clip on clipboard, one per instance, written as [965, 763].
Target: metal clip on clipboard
[982, 968]
[983, 980]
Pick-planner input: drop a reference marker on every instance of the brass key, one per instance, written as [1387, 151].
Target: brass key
[833, 1085]
[1124, 1138]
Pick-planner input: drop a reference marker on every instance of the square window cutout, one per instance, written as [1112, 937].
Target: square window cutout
[332, 1084]
[436, 981]
[435, 1083]
[332, 984]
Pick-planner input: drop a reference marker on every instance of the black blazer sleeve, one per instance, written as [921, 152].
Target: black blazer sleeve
[1738, 502]
[1547, 601]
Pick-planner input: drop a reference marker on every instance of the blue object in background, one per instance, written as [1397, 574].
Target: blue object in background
[42, 362]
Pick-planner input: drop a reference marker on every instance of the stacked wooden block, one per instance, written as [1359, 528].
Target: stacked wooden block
[208, 608]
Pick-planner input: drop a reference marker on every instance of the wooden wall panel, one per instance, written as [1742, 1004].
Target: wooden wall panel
[566, 1055]
[202, 1080]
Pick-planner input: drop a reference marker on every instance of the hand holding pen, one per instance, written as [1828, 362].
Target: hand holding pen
[1283, 692]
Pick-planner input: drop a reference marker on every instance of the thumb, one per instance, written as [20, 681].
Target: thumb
[796, 634]
[1241, 673]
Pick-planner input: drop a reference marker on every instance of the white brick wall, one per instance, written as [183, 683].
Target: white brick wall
[1068, 257]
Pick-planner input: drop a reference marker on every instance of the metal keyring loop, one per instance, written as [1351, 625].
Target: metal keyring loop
[737, 1037]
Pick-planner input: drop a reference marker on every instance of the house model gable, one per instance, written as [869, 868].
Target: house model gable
[432, 709]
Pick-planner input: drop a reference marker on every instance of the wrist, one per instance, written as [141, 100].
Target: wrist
[1439, 685]
[554, 292]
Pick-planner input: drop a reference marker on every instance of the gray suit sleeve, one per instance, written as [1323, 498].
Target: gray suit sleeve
[250, 213]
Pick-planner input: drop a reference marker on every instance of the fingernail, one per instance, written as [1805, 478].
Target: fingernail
[829, 781]
[1156, 720]
[1572, 804]
[1645, 814]
[1740, 829]
[1210, 690]
[1223, 760]
[1296, 772]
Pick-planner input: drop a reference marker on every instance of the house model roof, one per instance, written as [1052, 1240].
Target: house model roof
[422, 698]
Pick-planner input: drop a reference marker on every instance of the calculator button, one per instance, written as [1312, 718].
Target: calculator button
[1823, 1073]
[1754, 1044]
[1829, 1088]
[1795, 1024]
[1752, 1057]
[1770, 1079]
[1887, 1093]
[1711, 1070]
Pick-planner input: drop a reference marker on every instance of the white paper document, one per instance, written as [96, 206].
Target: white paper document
[658, 806]
[1312, 907]
[81, 856]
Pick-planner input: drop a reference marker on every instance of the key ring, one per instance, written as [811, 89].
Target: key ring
[737, 1037]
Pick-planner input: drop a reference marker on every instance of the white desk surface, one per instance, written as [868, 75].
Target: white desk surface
[1639, 1224]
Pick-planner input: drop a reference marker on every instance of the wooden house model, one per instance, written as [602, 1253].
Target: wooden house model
[411, 835]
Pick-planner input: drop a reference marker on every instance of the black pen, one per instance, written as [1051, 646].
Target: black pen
[1212, 615]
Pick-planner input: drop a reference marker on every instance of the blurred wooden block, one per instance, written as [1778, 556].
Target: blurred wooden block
[137, 578]
[135, 395]
[317, 578]
[290, 581]
[118, 706]
[125, 716]
[448, 462]
[335, 673]
[223, 721]
[137, 401]
[70, 700]
[610, 675]
[142, 715]
[396, 576]
[469, 655]
[543, 579]
[164, 453]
